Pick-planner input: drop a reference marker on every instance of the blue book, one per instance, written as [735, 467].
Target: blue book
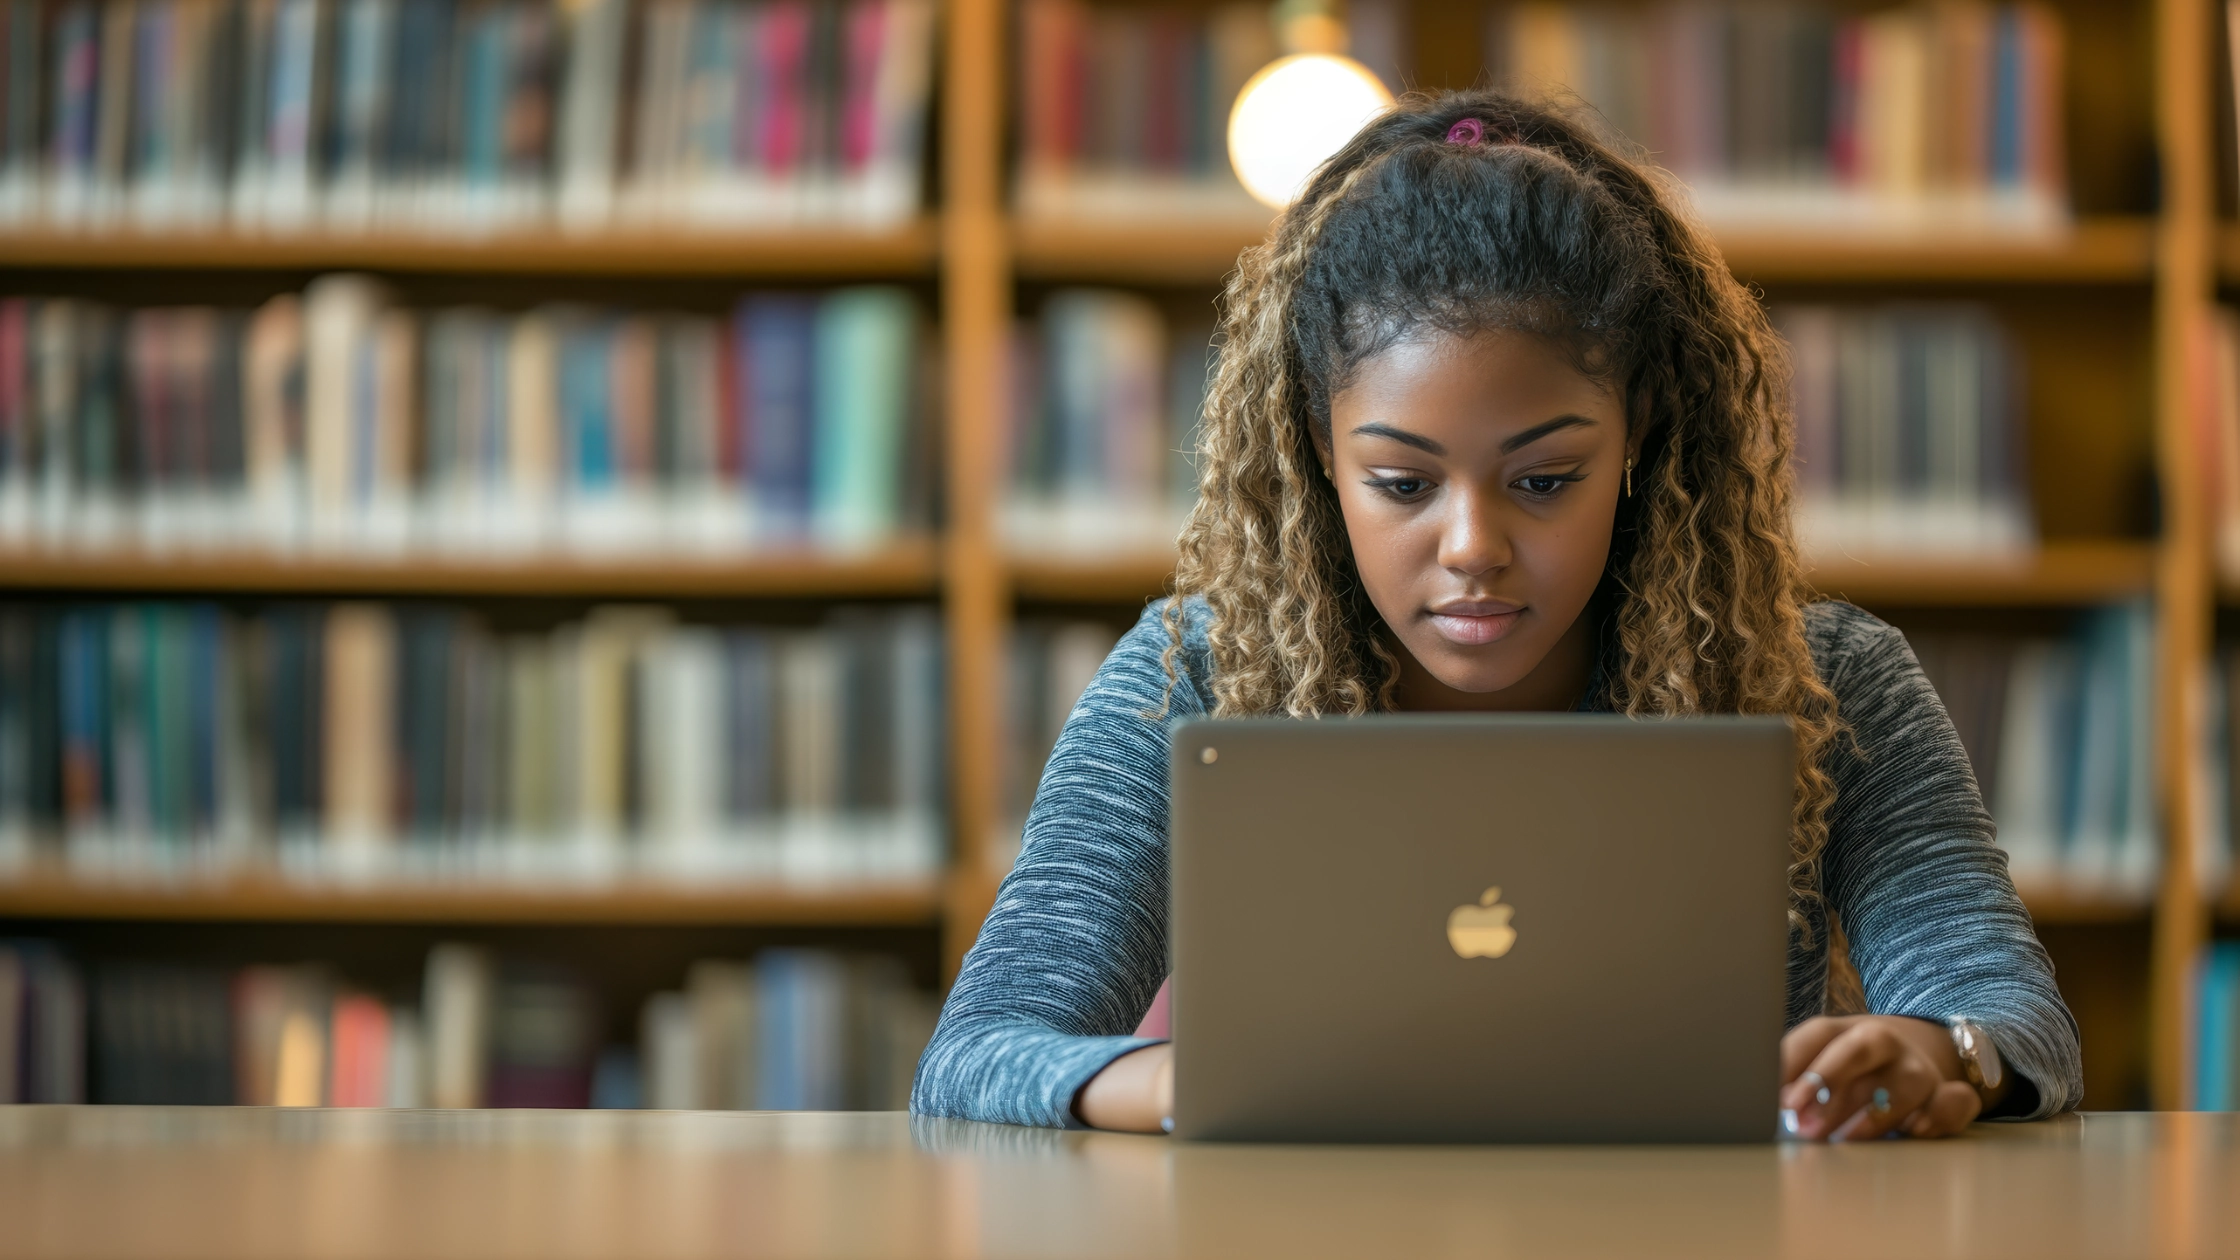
[865, 339]
[2006, 97]
[776, 377]
[586, 406]
[85, 709]
[803, 1000]
[778, 1083]
[2216, 1015]
[206, 652]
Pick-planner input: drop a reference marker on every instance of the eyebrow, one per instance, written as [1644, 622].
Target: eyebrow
[1402, 436]
[1538, 431]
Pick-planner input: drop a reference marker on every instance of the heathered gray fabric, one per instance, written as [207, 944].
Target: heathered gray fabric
[1075, 947]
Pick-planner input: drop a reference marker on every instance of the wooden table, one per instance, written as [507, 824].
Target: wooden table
[121, 1182]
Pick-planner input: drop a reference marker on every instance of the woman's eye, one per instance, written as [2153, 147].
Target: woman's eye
[1544, 484]
[1402, 487]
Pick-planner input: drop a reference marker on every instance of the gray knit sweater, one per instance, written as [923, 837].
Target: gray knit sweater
[1076, 944]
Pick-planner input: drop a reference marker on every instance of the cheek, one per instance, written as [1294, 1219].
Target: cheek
[1395, 551]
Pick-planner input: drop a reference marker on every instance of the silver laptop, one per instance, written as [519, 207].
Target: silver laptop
[1550, 928]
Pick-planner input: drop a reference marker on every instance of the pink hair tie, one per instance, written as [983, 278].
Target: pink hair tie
[1467, 131]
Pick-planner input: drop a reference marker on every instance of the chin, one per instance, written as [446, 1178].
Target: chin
[1478, 677]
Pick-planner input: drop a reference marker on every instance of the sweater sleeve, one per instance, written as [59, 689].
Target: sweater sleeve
[1935, 927]
[1074, 949]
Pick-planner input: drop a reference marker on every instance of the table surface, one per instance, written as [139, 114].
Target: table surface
[121, 1182]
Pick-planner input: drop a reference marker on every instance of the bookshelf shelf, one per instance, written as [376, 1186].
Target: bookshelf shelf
[791, 252]
[2063, 908]
[2057, 575]
[268, 900]
[908, 569]
[2113, 250]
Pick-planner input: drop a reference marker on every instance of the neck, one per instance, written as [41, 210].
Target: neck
[1553, 686]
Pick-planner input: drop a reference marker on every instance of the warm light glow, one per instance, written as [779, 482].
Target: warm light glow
[1293, 115]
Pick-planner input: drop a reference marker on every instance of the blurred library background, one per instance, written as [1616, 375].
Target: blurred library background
[543, 546]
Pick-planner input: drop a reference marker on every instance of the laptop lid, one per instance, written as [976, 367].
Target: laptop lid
[1534, 928]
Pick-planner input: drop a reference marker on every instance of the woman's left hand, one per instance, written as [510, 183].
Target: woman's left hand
[1849, 1078]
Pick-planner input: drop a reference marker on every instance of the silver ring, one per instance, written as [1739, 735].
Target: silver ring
[1820, 1094]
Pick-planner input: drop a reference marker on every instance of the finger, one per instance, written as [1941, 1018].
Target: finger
[1802, 1044]
[1953, 1108]
[1877, 1103]
[1860, 1049]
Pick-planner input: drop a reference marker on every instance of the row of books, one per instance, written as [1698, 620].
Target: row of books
[1125, 110]
[2061, 735]
[1909, 429]
[792, 1029]
[367, 742]
[341, 420]
[795, 1029]
[1896, 118]
[1106, 400]
[2216, 1060]
[440, 115]
[1050, 664]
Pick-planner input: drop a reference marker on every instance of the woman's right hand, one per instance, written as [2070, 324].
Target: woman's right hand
[1134, 1093]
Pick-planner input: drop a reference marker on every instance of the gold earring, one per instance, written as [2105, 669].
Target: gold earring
[1326, 474]
[1629, 476]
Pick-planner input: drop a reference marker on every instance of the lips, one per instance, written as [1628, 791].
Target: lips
[1474, 622]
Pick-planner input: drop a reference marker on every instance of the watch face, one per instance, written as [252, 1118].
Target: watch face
[1977, 1049]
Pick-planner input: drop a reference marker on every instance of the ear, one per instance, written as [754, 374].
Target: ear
[1322, 453]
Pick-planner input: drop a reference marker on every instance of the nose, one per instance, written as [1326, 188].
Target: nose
[1473, 541]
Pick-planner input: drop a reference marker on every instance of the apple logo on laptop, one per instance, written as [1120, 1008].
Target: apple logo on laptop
[1482, 930]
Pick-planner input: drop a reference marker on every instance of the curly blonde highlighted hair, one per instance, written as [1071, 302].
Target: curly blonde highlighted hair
[1524, 218]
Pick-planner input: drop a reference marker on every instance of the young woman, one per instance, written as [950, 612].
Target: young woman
[1495, 430]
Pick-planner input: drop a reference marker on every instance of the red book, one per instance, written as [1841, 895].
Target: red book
[1843, 119]
[784, 50]
[865, 36]
[15, 420]
[360, 1040]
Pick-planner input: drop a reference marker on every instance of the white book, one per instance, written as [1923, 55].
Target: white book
[681, 756]
[340, 314]
[406, 1081]
[726, 1033]
[670, 1049]
[456, 995]
[590, 102]
[2034, 742]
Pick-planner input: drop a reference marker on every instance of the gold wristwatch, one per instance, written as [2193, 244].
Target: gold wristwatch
[1979, 1058]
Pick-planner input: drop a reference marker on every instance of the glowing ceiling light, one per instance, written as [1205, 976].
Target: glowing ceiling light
[1300, 109]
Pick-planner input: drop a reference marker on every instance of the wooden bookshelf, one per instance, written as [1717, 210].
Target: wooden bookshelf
[2061, 574]
[250, 899]
[797, 252]
[907, 569]
[2109, 250]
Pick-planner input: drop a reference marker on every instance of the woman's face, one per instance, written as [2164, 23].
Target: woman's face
[1479, 477]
